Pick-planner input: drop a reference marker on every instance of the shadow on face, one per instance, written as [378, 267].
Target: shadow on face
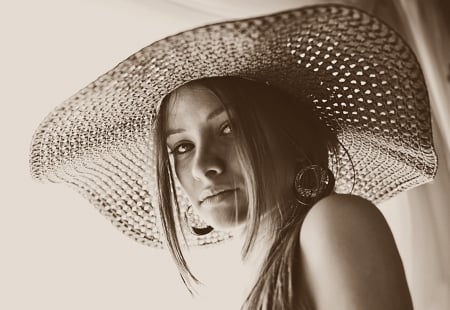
[236, 144]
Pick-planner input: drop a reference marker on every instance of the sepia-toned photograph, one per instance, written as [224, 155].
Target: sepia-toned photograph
[230, 155]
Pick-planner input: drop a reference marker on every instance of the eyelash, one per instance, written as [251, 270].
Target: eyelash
[175, 149]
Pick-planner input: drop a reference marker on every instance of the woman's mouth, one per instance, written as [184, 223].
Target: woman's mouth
[218, 197]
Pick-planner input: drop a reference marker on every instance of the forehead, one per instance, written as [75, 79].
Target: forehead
[190, 104]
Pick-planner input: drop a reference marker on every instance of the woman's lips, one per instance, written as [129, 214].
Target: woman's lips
[216, 198]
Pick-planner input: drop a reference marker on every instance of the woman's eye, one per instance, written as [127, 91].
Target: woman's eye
[226, 130]
[181, 148]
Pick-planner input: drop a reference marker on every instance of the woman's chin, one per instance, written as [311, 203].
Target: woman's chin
[225, 217]
[227, 225]
[224, 211]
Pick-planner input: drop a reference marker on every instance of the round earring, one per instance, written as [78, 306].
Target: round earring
[196, 226]
[312, 183]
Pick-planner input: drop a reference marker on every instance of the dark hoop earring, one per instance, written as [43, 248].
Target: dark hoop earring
[312, 183]
[196, 226]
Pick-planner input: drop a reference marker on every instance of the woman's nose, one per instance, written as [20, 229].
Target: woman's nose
[208, 163]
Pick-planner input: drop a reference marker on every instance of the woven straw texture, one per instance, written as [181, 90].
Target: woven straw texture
[361, 77]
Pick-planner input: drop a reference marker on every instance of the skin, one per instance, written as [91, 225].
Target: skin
[202, 147]
[349, 257]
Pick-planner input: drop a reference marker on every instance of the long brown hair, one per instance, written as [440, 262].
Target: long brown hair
[257, 109]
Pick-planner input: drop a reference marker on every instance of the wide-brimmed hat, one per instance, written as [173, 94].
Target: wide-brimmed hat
[361, 78]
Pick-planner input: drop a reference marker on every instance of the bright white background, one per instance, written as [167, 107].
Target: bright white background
[57, 252]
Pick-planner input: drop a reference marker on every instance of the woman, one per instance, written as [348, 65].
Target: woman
[238, 147]
[244, 119]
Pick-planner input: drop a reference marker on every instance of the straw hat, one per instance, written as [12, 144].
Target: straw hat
[362, 79]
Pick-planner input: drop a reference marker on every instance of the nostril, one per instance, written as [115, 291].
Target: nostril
[208, 168]
[212, 173]
[209, 159]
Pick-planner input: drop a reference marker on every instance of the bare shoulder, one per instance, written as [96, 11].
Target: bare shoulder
[335, 212]
[349, 257]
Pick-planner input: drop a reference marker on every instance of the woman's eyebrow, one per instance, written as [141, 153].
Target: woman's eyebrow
[215, 113]
[210, 116]
[173, 131]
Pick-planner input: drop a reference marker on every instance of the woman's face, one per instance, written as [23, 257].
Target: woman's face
[202, 147]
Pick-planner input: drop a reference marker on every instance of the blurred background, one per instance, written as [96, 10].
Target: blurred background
[57, 252]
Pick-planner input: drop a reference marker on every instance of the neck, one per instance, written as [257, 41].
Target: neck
[221, 268]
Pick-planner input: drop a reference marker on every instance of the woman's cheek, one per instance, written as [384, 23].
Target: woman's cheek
[184, 174]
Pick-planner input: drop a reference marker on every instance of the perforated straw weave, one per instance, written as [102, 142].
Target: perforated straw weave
[361, 77]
